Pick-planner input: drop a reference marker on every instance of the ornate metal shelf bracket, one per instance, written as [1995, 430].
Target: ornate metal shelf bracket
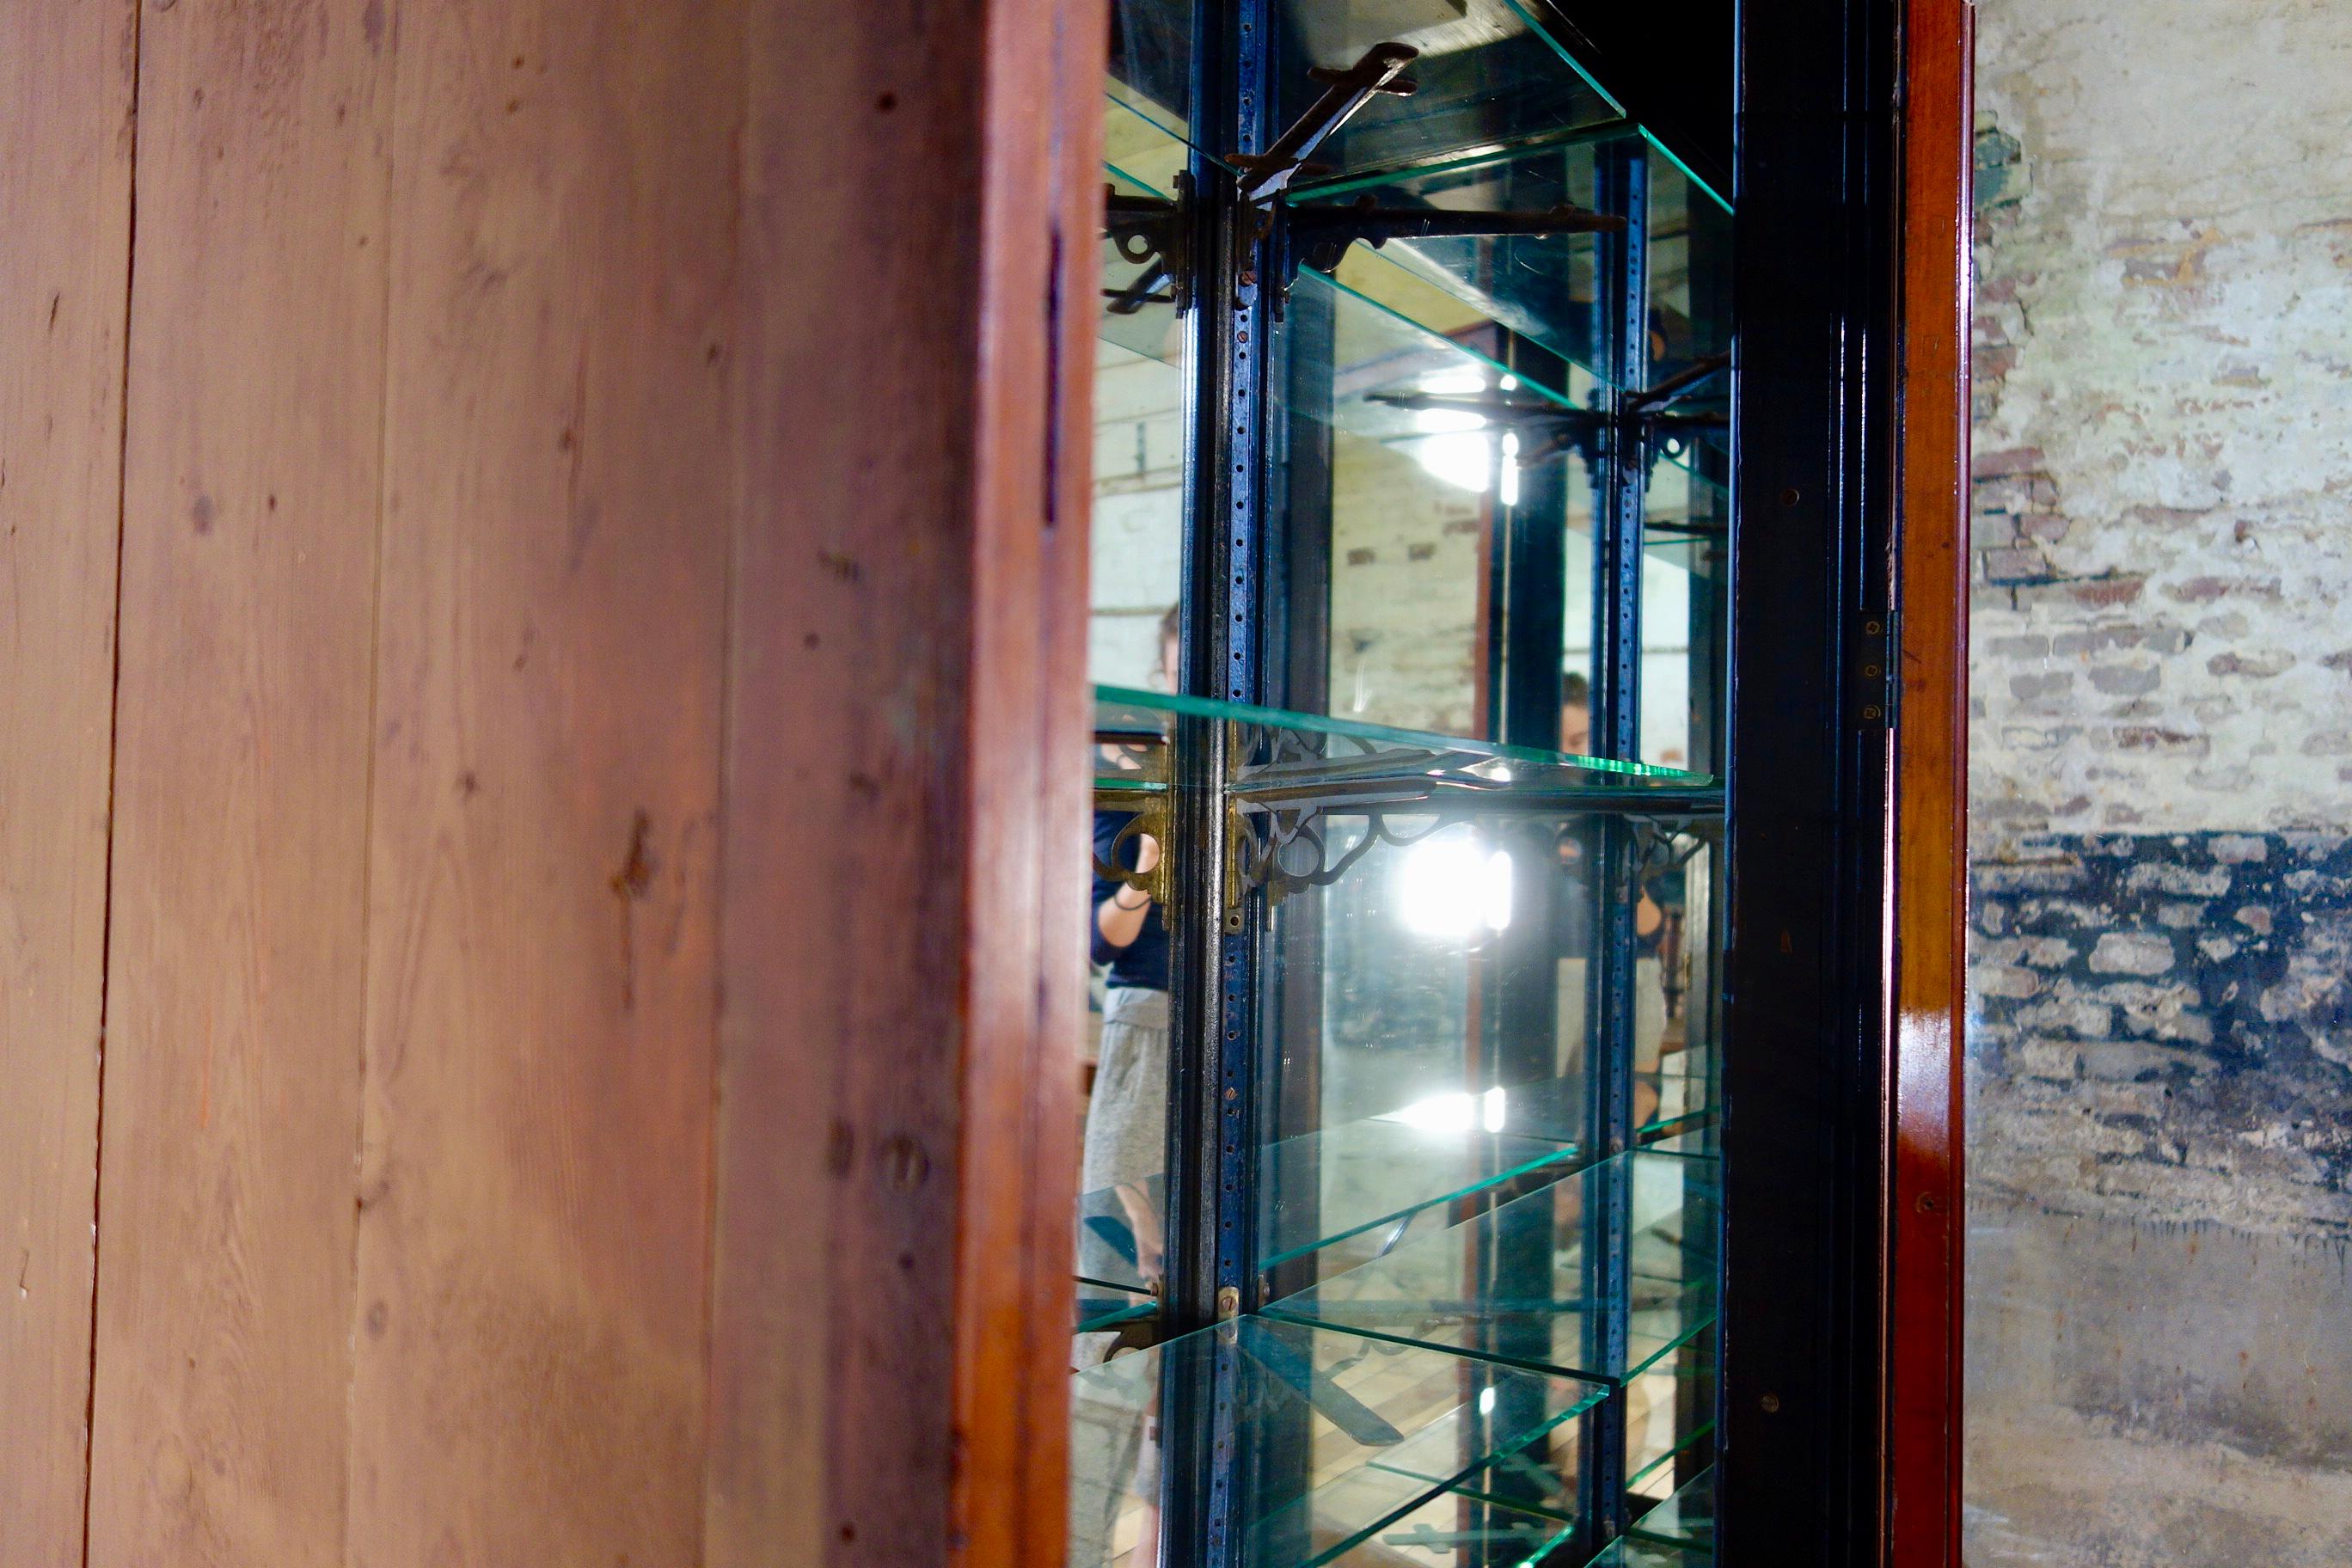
[1153, 233]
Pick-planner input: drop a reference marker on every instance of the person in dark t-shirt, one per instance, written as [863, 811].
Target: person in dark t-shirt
[1126, 1145]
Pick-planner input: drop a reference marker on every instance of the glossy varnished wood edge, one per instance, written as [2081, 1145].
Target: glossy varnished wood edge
[1041, 216]
[1927, 1223]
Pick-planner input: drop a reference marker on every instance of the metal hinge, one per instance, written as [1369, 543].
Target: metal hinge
[1878, 680]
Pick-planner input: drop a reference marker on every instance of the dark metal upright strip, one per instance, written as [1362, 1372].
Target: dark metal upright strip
[1622, 181]
[1211, 1138]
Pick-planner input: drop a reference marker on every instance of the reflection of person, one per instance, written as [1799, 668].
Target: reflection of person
[1649, 928]
[1127, 1116]
[1575, 715]
[1114, 1460]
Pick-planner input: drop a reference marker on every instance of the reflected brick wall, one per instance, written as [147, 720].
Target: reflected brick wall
[2161, 1329]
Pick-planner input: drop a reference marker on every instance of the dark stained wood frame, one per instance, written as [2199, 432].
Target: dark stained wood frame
[1930, 826]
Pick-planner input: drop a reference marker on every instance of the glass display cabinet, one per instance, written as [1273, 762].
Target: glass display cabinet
[1401, 1235]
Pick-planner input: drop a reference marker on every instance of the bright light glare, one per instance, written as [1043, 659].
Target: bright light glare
[1453, 449]
[1438, 1113]
[1453, 1113]
[1487, 1400]
[1450, 887]
[1462, 458]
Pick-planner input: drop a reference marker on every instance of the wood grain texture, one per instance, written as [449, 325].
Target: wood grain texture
[1026, 901]
[904, 908]
[1930, 835]
[541, 1009]
[66, 84]
[232, 1068]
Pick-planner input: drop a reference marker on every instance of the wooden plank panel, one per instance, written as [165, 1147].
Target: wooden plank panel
[232, 1073]
[65, 82]
[1930, 830]
[904, 906]
[533, 1248]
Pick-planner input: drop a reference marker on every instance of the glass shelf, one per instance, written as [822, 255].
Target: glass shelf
[1685, 1518]
[1452, 1529]
[1101, 1310]
[1395, 335]
[1701, 1142]
[1508, 1284]
[1487, 76]
[1538, 1477]
[1689, 278]
[1670, 1417]
[1542, 287]
[1320, 1406]
[1293, 750]
[1631, 1552]
[1375, 1175]
[1150, 74]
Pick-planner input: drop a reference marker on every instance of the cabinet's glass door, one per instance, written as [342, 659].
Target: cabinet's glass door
[1399, 1231]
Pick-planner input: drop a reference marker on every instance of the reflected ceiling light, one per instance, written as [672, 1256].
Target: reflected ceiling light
[1450, 886]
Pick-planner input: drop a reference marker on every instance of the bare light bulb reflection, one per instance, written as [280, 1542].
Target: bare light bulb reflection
[1453, 444]
[1450, 886]
[1454, 1113]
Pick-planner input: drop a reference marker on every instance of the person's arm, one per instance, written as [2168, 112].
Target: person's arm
[1120, 917]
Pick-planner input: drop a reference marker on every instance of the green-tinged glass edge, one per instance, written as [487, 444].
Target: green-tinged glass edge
[1284, 718]
[1596, 1394]
[1143, 186]
[1673, 1452]
[1567, 1527]
[1613, 101]
[1693, 175]
[1111, 96]
[1468, 159]
[1320, 278]
[1519, 1505]
[1275, 1310]
[1560, 1155]
[1431, 1490]
[1143, 1308]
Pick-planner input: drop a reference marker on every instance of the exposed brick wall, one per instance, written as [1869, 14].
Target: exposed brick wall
[2168, 1022]
[2161, 779]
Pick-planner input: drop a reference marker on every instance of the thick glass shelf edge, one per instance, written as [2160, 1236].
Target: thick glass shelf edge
[1633, 1551]
[1551, 36]
[1654, 1351]
[1532, 1134]
[1093, 1317]
[1128, 698]
[1683, 1445]
[1503, 1286]
[1507, 1158]
[1685, 1518]
[1525, 1539]
[1345, 297]
[1525, 1478]
[1463, 160]
[1350, 1398]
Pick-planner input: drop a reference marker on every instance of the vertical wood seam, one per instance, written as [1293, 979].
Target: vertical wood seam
[113, 735]
[364, 996]
[722, 828]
